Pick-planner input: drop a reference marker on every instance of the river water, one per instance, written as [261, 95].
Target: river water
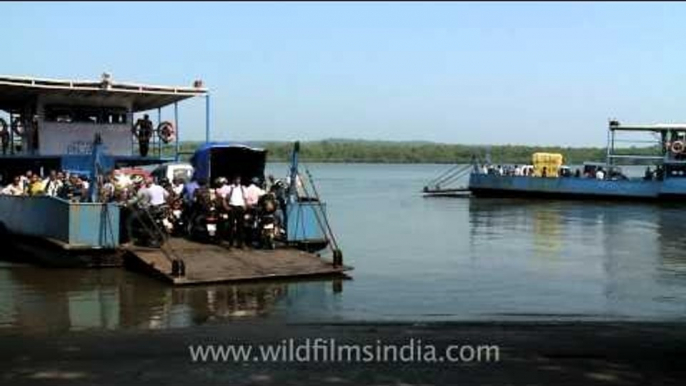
[415, 259]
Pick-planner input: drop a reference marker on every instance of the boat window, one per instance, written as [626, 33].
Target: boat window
[58, 115]
[86, 114]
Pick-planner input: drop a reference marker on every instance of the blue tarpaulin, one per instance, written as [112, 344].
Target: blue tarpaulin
[227, 159]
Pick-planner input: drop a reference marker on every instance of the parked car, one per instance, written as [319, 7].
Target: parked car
[174, 170]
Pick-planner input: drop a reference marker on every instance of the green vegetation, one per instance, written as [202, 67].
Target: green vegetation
[352, 151]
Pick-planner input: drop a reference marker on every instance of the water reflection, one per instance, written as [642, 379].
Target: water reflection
[623, 256]
[43, 300]
[672, 244]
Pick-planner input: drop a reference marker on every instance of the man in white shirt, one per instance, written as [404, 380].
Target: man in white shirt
[177, 186]
[234, 204]
[85, 183]
[158, 194]
[151, 195]
[52, 184]
[14, 189]
[253, 193]
[223, 187]
[600, 174]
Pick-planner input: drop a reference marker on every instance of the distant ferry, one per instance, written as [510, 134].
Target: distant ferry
[665, 177]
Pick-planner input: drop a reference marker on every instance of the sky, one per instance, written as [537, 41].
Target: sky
[472, 73]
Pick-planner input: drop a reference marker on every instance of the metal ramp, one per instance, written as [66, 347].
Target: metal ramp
[210, 263]
[443, 184]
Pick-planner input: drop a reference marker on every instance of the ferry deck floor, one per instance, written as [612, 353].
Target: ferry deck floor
[208, 263]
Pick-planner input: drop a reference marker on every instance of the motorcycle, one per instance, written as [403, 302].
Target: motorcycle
[175, 220]
[250, 226]
[268, 231]
[268, 225]
[147, 226]
[206, 225]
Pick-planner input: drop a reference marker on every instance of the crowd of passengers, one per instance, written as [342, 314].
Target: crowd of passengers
[599, 173]
[192, 197]
[142, 191]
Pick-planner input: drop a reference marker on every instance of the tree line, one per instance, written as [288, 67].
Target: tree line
[358, 151]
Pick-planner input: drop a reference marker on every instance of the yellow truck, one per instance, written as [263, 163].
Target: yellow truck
[550, 162]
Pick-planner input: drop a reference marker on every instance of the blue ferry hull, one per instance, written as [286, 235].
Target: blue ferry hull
[59, 232]
[570, 187]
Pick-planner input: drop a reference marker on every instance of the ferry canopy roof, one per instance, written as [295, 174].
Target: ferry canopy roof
[16, 92]
[615, 125]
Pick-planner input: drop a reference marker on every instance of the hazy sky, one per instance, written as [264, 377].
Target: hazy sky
[477, 73]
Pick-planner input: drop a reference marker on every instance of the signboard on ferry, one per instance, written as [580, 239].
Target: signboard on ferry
[77, 138]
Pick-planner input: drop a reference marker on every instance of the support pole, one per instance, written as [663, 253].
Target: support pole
[11, 133]
[612, 147]
[607, 151]
[207, 118]
[178, 132]
[159, 140]
[133, 132]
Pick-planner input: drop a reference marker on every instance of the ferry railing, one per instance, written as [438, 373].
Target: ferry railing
[177, 264]
[324, 224]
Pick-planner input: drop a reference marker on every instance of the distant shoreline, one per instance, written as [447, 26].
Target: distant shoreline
[382, 152]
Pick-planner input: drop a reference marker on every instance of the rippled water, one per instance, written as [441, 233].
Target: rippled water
[415, 258]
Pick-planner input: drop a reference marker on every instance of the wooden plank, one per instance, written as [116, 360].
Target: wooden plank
[207, 263]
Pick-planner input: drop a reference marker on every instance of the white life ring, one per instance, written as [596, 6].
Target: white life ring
[678, 147]
[166, 131]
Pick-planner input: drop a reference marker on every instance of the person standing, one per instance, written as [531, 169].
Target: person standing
[25, 180]
[234, 204]
[177, 186]
[72, 189]
[52, 184]
[14, 189]
[600, 174]
[517, 171]
[36, 186]
[157, 195]
[253, 193]
[143, 131]
[4, 137]
[188, 191]
[108, 188]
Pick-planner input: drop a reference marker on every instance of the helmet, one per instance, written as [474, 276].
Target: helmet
[219, 181]
[255, 180]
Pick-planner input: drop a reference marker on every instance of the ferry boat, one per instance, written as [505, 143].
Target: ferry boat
[665, 180]
[85, 127]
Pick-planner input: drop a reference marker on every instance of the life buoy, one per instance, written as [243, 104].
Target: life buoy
[166, 131]
[678, 147]
[18, 127]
